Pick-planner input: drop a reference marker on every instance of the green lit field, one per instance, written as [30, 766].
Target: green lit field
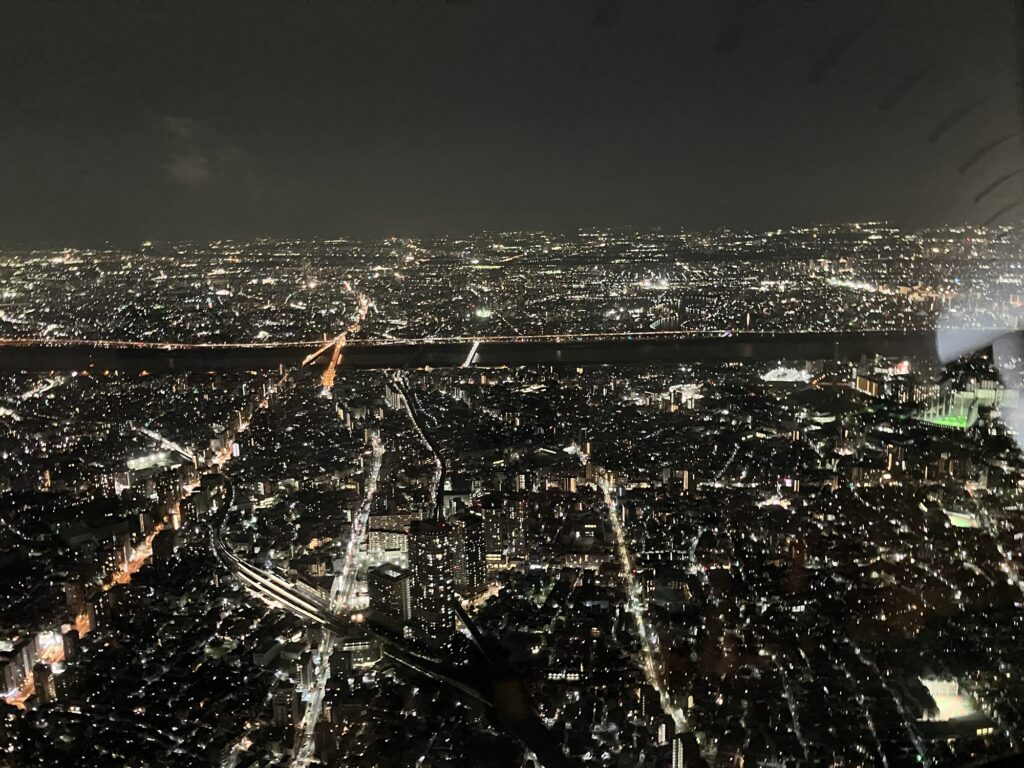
[955, 422]
[958, 520]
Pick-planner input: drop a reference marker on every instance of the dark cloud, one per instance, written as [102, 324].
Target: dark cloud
[187, 164]
[149, 119]
[189, 170]
[197, 157]
[182, 129]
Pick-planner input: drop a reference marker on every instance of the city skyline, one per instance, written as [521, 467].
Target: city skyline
[512, 384]
[673, 499]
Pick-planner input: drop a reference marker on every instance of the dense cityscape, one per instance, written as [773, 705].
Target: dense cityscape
[857, 277]
[795, 562]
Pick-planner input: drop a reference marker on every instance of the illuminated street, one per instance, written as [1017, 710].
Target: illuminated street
[637, 607]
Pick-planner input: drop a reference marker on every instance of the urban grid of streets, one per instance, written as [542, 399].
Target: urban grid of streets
[354, 559]
[338, 602]
[801, 560]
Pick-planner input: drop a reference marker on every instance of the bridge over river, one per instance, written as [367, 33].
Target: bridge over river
[578, 350]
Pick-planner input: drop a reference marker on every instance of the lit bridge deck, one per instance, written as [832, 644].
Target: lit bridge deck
[656, 347]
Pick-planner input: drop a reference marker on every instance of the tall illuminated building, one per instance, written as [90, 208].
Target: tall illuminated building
[504, 526]
[286, 707]
[74, 596]
[430, 567]
[468, 553]
[390, 597]
[45, 686]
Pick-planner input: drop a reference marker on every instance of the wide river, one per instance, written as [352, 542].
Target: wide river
[845, 345]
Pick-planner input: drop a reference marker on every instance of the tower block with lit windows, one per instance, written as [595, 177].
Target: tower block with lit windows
[469, 567]
[430, 567]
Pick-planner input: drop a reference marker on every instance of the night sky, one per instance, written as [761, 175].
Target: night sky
[126, 121]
